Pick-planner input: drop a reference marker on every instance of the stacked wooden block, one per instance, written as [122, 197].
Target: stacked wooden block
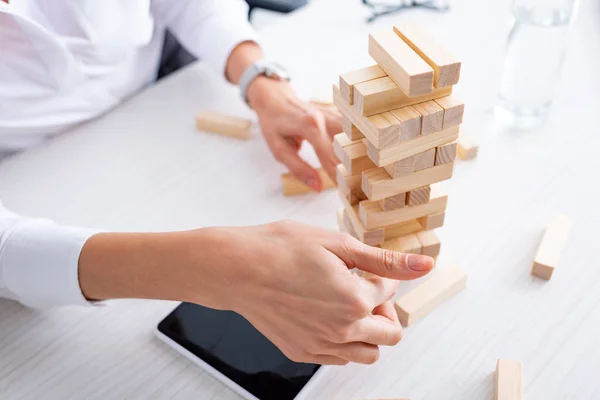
[401, 123]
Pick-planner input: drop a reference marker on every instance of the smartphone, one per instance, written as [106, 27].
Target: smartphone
[228, 347]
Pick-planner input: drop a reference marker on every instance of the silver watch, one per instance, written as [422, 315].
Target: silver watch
[265, 68]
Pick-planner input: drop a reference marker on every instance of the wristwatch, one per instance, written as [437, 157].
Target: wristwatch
[265, 68]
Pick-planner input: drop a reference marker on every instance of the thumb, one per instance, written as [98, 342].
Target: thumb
[384, 263]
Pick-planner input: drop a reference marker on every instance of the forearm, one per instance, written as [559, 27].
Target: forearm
[243, 55]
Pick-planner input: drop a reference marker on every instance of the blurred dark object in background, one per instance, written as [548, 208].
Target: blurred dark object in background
[385, 7]
[282, 6]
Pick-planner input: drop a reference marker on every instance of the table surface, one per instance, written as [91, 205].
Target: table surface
[143, 167]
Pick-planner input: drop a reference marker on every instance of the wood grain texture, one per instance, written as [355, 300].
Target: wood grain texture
[386, 129]
[380, 95]
[412, 147]
[453, 110]
[432, 116]
[371, 237]
[355, 159]
[291, 186]
[351, 78]
[351, 130]
[430, 243]
[410, 122]
[418, 196]
[443, 283]
[466, 147]
[401, 63]
[377, 183]
[215, 122]
[404, 244]
[445, 153]
[446, 67]
[424, 160]
[509, 380]
[393, 202]
[552, 244]
[432, 221]
[349, 185]
[401, 168]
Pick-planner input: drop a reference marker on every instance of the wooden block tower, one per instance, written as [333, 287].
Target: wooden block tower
[401, 123]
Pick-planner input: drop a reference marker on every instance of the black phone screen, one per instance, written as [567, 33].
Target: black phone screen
[231, 345]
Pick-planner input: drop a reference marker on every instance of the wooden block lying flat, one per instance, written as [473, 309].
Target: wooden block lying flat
[211, 121]
[354, 158]
[377, 183]
[445, 153]
[380, 95]
[393, 202]
[425, 159]
[432, 221]
[371, 237]
[453, 110]
[553, 242]
[349, 185]
[442, 285]
[401, 229]
[404, 244]
[411, 147]
[367, 128]
[401, 168]
[350, 130]
[373, 217]
[410, 122]
[509, 380]
[432, 116]
[418, 196]
[445, 67]
[406, 68]
[430, 243]
[467, 149]
[386, 129]
[292, 186]
[349, 79]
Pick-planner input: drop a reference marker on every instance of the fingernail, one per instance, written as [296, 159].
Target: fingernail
[419, 263]
[314, 184]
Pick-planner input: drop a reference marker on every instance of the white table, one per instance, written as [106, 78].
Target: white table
[143, 167]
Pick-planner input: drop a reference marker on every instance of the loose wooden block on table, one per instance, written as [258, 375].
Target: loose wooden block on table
[442, 285]
[430, 243]
[553, 242]
[418, 196]
[466, 147]
[432, 116]
[406, 68]
[445, 67]
[349, 79]
[432, 221]
[509, 380]
[425, 159]
[292, 186]
[453, 110]
[445, 153]
[377, 183]
[393, 202]
[380, 95]
[412, 147]
[215, 122]
[373, 216]
[401, 168]
[351, 130]
[405, 244]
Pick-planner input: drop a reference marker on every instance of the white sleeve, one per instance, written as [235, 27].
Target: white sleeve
[209, 29]
[39, 261]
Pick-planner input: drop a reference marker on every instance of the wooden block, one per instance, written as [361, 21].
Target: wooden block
[401, 168]
[509, 380]
[467, 149]
[401, 229]
[430, 243]
[339, 142]
[349, 79]
[349, 185]
[340, 221]
[411, 147]
[386, 128]
[373, 217]
[377, 183]
[441, 286]
[215, 122]
[351, 130]
[445, 153]
[380, 95]
[393, 202]
[425, 160]
[432, 116]
[355, 159]
[404, 244]
[406, 68]
[292, 186]
[410, 122]
[445, 67]
[418, 196]
[371, 237]
[553, 242]
[453, 110]
[432, 221]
